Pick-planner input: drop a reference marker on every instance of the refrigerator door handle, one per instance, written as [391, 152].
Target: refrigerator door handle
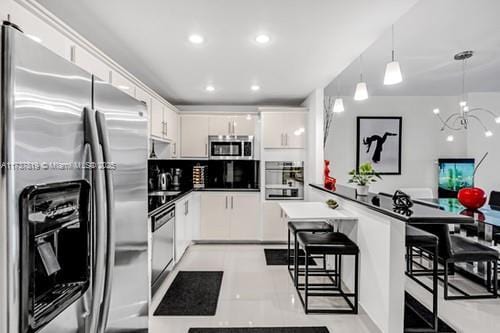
[99, 263]
[110, 235]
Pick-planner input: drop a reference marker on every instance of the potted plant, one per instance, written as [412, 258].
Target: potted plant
[363, 177]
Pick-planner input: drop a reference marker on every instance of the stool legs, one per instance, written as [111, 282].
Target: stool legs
[306, 290]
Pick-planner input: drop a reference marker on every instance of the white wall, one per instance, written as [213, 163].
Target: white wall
[488, 175]
[315, 153]
[422, 141]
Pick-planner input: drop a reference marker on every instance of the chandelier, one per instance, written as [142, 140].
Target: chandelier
[461, 119]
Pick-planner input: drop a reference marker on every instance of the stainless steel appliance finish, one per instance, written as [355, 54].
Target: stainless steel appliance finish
[284, 180]
[231, 147]
[51, 127]
[162, 225]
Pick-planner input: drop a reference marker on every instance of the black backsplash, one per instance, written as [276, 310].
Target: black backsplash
[237, 174]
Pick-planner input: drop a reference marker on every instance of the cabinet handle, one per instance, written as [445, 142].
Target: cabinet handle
[226, 202]
[206, 149]
[175, 148]
[231, 202]
[282, 142]
[187, 207]
[281, 213]
[286, 139]
[166, 128]
[228, 127]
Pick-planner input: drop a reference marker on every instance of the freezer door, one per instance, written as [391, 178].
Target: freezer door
[43, 97]
[127, 292]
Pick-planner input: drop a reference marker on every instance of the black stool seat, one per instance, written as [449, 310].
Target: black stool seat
[420, 238]
[327, 243]
[463, 249]
[309, 226]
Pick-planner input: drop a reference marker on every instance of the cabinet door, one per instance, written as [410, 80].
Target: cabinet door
[245, 216]
[120, 82]
[91, 64]
[194, 136]
[272, 130]
[274, 225]
[180, 233]
[244, 125]
[214, 216]
[295, 129]
[220, 125]
[157, 122]
[143, 96]
[170, 117]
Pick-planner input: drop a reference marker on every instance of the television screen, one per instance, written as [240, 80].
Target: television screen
[454, 174]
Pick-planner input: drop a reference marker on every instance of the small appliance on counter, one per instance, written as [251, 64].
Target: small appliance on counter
[230, 147]
[199, 176]
[284, 180]
[176, 178]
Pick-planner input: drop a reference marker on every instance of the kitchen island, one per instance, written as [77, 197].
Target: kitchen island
[380, 235]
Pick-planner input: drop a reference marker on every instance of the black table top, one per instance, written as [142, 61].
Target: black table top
[420, 213]
[486, 214]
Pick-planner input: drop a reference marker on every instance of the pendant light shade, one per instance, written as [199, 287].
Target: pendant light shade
[338, 105]
[361, 92]
[392, 70]
[392, 73]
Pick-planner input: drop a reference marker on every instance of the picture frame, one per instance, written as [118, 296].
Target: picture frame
[378, 141]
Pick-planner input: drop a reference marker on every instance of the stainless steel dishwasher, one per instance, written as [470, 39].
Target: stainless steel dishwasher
[162, 256]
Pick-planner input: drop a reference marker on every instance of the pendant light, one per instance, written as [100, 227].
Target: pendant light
[338, 105]
[392, 70]
[361, 92]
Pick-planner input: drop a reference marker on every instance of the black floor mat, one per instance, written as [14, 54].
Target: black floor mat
[192, 293]
[416, 312]
[260, 330]
[278, 257]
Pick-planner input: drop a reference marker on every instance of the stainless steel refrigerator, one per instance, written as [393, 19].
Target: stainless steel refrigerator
[73, 189]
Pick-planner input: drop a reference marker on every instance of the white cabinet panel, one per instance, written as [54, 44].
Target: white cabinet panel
[90, 63]
[295, 129]
[244, 216]
[244, 125]
[274, 224]
[180, 229]
[171, 126]
[214, 218]
[157, 122]
[272, 130]
[120, 82]
[220, 125]
[194, 136]
[143, 96]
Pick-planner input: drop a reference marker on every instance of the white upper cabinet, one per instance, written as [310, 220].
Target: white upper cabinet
[90, 63]
[231, 125]
[156, 119]
[244, 125]
[284, 129]
[194, 136]
[172, 133]
[120, 82]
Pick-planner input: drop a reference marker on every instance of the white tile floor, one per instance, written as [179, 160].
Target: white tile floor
[253, 294]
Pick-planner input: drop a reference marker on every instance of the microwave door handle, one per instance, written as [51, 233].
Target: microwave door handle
[110, 235]
[98, 263]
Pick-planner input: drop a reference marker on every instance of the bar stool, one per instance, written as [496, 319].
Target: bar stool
[305, 226]
[329, 243]
[427, 243]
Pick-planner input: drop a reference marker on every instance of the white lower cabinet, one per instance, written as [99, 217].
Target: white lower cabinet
[186, 223]
[274, 223]
[229, 216]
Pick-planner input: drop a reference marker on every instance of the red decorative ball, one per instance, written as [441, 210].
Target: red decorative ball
[472, 197]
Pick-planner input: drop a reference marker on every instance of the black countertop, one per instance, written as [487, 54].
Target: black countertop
[158, 203]
[420, 213]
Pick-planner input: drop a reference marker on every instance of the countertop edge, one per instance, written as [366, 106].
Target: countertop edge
[461, 218]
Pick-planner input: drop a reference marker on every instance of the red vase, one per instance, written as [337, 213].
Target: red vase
[472, 197]
[329, 182]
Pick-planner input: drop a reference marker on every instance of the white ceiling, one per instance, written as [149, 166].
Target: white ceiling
[311, 42]
[426, 39]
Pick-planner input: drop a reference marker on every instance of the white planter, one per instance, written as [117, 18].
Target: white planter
[362, 190]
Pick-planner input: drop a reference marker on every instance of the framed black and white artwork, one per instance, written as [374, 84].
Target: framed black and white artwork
[379, 142]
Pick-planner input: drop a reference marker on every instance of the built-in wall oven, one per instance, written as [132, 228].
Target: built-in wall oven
[284, 180]
[230, 147]
[162, 256]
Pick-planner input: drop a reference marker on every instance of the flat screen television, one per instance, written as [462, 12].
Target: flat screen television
[454, 174]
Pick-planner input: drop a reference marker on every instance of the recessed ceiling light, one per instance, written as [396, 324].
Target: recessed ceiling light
[255, 87]
[262, 39]
[196, 39]
[210, 88]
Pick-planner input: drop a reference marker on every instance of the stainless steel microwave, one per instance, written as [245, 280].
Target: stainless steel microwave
[230, 147]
